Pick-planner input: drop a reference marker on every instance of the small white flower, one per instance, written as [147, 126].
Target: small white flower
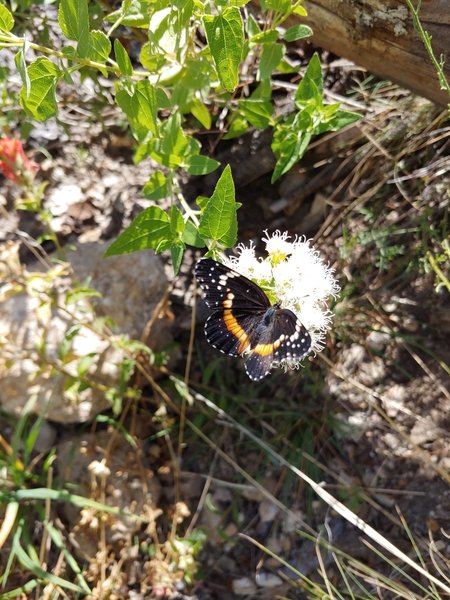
[294, 274]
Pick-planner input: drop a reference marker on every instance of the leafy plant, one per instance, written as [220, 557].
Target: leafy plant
[189, 79]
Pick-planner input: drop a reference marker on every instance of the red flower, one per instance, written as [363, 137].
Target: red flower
[14, 163]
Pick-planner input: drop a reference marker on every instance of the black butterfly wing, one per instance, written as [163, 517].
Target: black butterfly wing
[283, 338]
[232, 332]
[218, 281]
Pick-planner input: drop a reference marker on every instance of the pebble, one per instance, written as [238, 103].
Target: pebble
[378, 340]
[243, 586]
[267, 580]
[267, 511]
[353, 358]
[394, 400]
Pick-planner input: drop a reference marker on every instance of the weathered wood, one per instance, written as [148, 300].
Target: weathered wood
[379, 35]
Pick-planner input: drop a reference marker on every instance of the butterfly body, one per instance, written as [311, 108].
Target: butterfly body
[245, 323]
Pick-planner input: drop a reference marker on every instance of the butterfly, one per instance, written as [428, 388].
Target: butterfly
[245, 323]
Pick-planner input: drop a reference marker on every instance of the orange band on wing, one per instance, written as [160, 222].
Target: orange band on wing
[233, 326]
[266, 349]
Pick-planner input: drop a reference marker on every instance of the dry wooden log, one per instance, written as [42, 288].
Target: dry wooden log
[379, 35]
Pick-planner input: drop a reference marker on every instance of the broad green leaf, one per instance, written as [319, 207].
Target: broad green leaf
[176, 253]
[218, 220]
[201, 113]
[173, 147]
[192, 237]
[252, 26]
[263, 91]
[150, 59]
[193, 83]
[225, 35]
[40, 101]
[156, 186]
[177, 223]
[162, 99]
[165, 32]
[237, 127]
[281, 6]
[201, 165]
[6, 19]
[270, 58]
[340, 119]
[100, 47]
[257, 112]
[202, 201]
[73, 19]
[150, 229]
[264, 37]
[286, 67]
[122, 59]
[289, 147]
[140, 108]
[299, 10]
[297, 32]
[185, 10]
[134, 13]
[310, 88]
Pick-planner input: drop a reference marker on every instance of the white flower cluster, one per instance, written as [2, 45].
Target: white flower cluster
[294, 274]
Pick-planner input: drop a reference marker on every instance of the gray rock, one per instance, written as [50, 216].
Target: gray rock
[57, 358]
[378, 340]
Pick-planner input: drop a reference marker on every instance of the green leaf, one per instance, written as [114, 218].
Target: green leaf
[237, 127]
[257, 112]
[281, 6]
[264, 37]
[165, 32]
[191, 236]
[176, 252]
[218, 219]
[140, 108]
[201, 165]
[134, 13]
[99, 47]
[289, 147]
[297, 32]
[150, 229]
[193, 82]
[252, 26]
[225, 35]
[173, 148]
[151, 60]
[270, 58]
[21, 65]
[202, 201]
[122, 59]
[201, 113]
[6, 19]
[176, 223]
[73, 19]
[299, 10]
[40, 101]
[156, 187]
[310, 88]
[341, 118]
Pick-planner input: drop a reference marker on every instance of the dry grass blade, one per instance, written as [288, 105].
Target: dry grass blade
[333, 502]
